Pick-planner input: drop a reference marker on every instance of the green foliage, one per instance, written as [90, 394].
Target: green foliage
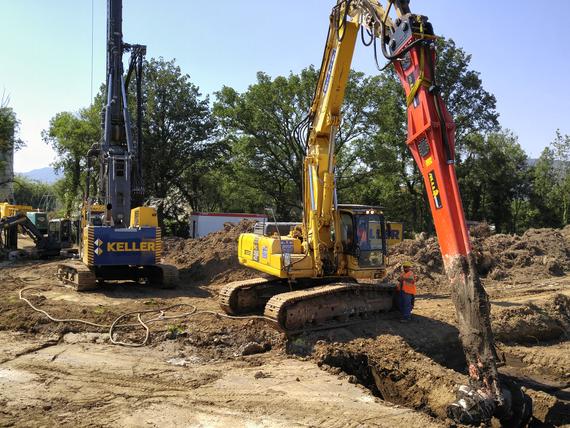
[9, 126]
[473, 108]
[35, 193]
[259, 127]
[174, 330]
[71, 135]
[374, 165]
[179, 144]
[493, 177]
[243, 155]
[392, 178]
[561, 148]
[543, 182]
[550, 197]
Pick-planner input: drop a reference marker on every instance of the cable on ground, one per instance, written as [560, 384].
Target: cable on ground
[162, 316]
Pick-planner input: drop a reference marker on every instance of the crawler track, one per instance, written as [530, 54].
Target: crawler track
[168, 276]
[81, 278]
[77, 275]
[328, 306]
[307, 309]
[250, 295]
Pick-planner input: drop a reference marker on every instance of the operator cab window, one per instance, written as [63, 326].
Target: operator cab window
[347, 232]
[97, 220]
[370, 240]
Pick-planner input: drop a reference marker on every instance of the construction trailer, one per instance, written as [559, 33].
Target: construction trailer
[202, 223]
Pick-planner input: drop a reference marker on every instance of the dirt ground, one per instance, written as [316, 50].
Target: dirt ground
[207, 370]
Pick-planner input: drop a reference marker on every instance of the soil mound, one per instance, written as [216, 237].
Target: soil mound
[426, 257]
[538, 253]
[211, 259]
[533, 322]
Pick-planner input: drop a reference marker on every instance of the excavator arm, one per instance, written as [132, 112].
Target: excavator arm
[409, 43]
[324, 118]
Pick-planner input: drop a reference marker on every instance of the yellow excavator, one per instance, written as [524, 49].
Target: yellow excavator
[315, 269]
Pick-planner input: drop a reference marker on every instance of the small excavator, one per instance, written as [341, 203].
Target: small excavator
[117, 242]
[314, 270]
[51, 238]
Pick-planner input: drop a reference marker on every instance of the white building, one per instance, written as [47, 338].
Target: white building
[203, 223]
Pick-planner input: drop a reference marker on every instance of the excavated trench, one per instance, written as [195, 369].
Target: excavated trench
[404, 377]
[419, 365]
[394, 373]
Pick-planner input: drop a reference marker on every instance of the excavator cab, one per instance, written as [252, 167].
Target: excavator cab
[363, 236]
[60, 232]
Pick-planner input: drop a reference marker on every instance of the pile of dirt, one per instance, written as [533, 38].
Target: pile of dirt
[538, 253]
[533, 322]
[211, 259]
[566, 233]
[425, 254]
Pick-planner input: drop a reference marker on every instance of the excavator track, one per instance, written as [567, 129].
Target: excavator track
[250, 295]
[169, 277]
[76, 275]
[328, 306]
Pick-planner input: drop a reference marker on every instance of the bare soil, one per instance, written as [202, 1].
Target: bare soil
[208, 370]
[211, 259]
[509, 259]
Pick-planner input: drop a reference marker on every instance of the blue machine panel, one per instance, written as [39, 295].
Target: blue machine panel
[132, 246]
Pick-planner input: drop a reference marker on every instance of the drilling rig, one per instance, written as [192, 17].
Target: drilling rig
[118, 242]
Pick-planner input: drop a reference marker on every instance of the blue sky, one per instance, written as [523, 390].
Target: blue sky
[45, 56]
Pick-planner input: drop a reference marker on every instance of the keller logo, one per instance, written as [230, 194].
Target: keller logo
[127, 247]
[98, 250]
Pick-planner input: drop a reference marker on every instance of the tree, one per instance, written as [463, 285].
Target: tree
[543, 200]
[71, 135]
[179, 146]
[393, 180]
[373, 161]
[9, 141]
[178, 143]
[561, 148]
[259, 127]
[35, 193]
[472, 107]
[551, 184]
[493, 179]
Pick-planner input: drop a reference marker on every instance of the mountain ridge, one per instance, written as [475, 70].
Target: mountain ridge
[45, 175]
